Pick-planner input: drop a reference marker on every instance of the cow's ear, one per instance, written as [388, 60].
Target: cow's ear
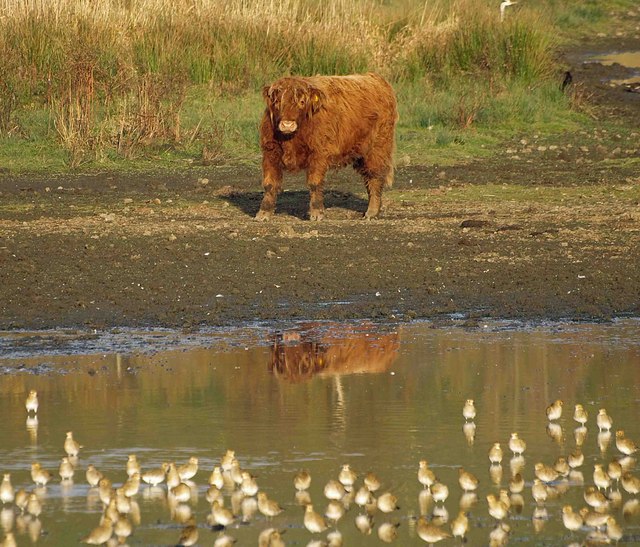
[317, 100]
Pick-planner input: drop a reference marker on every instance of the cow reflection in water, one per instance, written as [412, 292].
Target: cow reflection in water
[301, 353]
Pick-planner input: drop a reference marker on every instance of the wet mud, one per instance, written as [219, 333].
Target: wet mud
[182, 249]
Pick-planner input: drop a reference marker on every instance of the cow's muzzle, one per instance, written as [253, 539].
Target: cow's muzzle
[287, 126]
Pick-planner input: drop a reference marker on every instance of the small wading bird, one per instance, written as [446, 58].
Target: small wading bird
[429, 532]
[495, 453]
[40, 476]
[71, 446]
[580, 414]
[7, 492]
[503, 6]
[469, 410]
[604, 421]
[372, 482]
[314, 522]
[554, 410]
[516, 444]
[133, 466]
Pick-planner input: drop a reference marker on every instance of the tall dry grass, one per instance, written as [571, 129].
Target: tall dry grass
[144, 54]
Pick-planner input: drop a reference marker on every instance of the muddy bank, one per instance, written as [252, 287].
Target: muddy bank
[542, 230]
[172, 252]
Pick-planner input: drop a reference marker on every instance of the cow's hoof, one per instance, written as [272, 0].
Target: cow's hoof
[263, 215]
[316, 215]
[369, 215]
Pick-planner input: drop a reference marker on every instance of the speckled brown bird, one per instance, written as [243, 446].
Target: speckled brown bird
[268, 507]
[40, 476]
[66, 469]
[216, 479]
[154, 477]
[624, 445]
[439, 491]
[595, 498]
[469, 410]
[7, 492]
[221, 515]
[93, 476]
[347, 476]
[495, 453]
[572, 521]
[334, 490]
[467, 480]
[188, 470]
[497, 508]
[133, 465]
[34, 506]
[545, 473]
[554, 410]
[516, 444]
[334, 511]
[580, 415]
[372, 482]
[426, 477]
[71, 446]
[313, 521]
[387, 502]
[188, 535]
[630, 483]
[460, 525]
[429, 532]
[249, 485]
[100, 534]
[600, 477]
[603, 420]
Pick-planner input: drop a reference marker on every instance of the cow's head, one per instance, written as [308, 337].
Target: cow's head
[290, 101]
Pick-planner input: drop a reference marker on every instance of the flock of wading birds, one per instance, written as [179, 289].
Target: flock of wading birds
[121, 512]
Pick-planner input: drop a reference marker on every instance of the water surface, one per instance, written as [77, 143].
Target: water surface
[314, 397]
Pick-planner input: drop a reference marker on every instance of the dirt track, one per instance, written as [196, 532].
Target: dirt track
[545, 230]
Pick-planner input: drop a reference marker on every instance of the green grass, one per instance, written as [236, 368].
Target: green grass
[157, 84]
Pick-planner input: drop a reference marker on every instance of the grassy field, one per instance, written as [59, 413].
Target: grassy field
[124, 84]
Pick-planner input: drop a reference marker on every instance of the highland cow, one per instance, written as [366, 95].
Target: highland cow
[320, 122]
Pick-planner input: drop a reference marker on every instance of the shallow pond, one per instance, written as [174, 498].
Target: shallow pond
[628, 59]
[315, 397]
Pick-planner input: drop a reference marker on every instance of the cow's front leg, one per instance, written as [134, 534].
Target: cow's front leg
[315, 181]
[272, 185]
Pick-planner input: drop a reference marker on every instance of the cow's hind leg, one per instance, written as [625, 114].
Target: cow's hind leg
[374, 181]
[374, 189]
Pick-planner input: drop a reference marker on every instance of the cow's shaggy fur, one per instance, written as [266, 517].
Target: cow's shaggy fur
[327, 121]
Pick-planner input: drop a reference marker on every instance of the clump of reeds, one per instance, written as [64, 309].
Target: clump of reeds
[115, 73]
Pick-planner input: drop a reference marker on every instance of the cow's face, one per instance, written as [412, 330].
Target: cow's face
[291, 101]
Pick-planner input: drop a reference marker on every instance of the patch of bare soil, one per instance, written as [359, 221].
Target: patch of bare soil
[182, 250]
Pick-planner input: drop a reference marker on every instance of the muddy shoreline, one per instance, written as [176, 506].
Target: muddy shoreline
[471, 241]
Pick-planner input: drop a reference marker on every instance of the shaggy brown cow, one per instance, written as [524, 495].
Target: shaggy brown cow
[327, 121]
